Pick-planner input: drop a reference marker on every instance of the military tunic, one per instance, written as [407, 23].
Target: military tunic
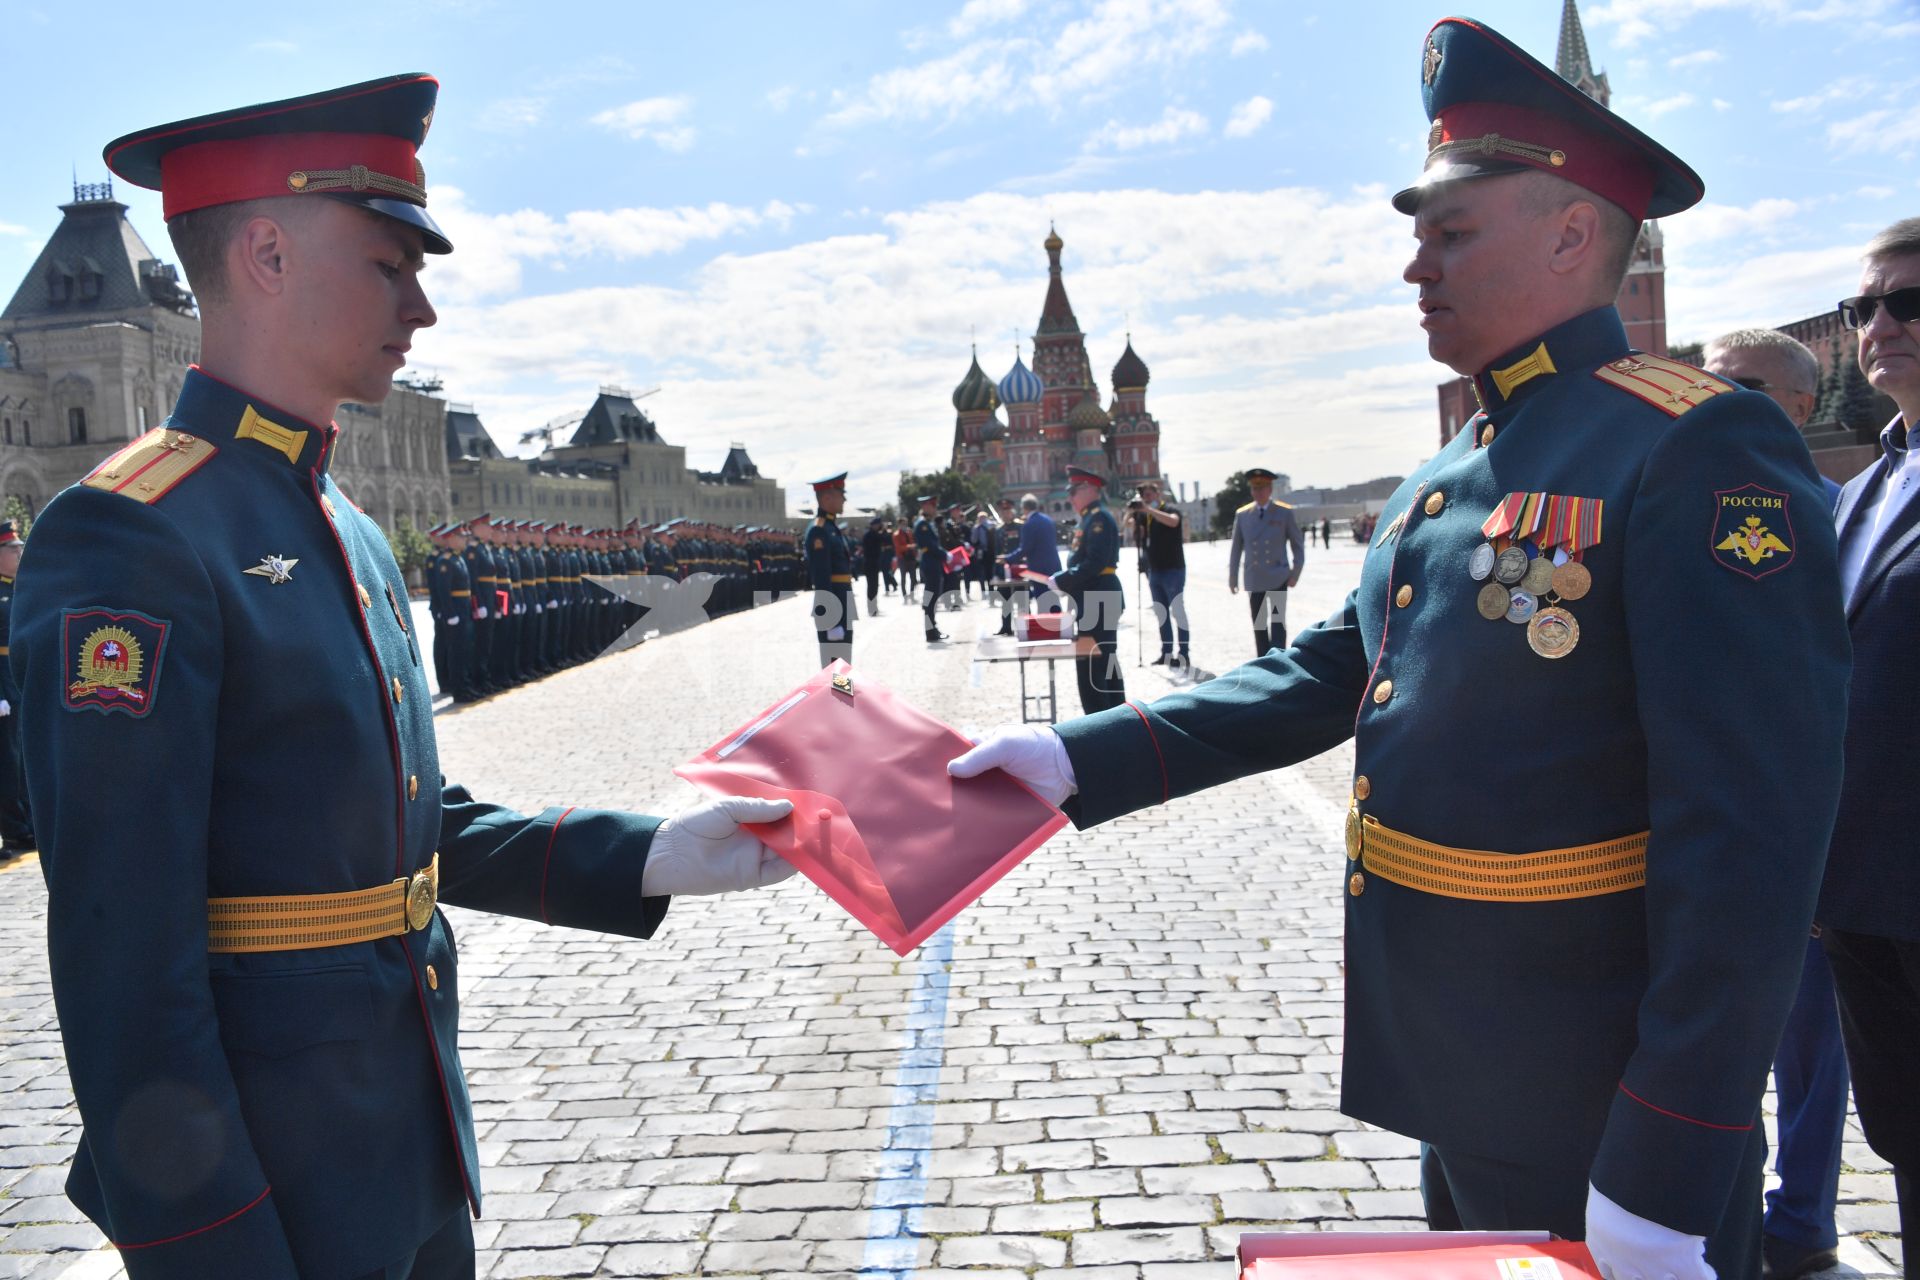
[830, 574]
[1628, 1032]
[16, 828]
[222, 698]
[1270, 541]
[1091, 584]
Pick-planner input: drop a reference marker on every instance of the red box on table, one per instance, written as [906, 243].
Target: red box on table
[1413, 1255]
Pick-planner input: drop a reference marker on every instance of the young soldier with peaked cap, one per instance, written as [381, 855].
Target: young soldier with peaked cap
[830, 572]
[230, 743]
[1594, 673]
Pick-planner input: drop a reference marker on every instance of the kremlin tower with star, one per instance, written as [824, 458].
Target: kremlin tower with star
[1054, 412]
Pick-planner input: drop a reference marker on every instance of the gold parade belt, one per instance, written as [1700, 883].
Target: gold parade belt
[1583, 871]
[300, 922]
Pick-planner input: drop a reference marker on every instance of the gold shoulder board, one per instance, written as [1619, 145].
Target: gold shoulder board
[152, 466]
[1667, 385]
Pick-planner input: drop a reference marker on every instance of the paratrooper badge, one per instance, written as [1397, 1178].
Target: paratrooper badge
[1752, 531]
[116, 663]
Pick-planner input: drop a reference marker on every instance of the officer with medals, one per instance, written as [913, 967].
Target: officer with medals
[230, 745]
[1587, 827]
[1268, 536]
[1091, 585]
[16, 828]
[933, 561]
[830, 572]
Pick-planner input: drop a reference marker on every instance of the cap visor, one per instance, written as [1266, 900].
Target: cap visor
[412, 214]
[1456, 170]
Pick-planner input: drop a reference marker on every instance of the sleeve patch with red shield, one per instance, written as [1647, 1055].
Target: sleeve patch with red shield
[114, 659]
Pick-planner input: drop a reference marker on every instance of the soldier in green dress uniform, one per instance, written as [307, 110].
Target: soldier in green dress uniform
[1595, 676]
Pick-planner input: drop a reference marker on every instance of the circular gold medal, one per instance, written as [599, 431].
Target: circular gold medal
[1539, 575]
[1492, 602]
[1572, 580]
[1553, 633]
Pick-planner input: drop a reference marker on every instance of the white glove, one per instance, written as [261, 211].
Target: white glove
[6, 708]
[837, 633]
[703, 849]
[480, 612]
[453, 622]
[1626, 1246]
[1032, 753]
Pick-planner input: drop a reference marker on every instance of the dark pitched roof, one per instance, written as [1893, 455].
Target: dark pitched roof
[613, 418]
[738, 468]
[1056, 314]
[95, 264]
[466, 437]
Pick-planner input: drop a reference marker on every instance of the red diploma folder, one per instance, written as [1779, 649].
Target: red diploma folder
[877, 822]
[1414, 1255]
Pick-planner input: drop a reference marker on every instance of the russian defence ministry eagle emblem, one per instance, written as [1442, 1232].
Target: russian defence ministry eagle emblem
[1752, 533]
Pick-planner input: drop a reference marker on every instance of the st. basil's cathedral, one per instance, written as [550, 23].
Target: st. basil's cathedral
[1054, 417]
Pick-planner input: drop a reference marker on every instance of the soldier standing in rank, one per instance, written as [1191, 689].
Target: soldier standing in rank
[230, 744]
[480, 579]
[16, 825]
[830, 572]
[453, 617]
[932, 558]
[1595, 676]
[1268, 536]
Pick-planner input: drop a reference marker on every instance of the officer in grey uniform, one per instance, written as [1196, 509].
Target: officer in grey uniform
[1267, 534]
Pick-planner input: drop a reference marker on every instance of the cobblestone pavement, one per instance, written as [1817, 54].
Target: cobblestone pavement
[1122, 1057]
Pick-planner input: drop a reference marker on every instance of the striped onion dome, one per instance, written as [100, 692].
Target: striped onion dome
[1088, 415]
[1021, 385]
[975, 390]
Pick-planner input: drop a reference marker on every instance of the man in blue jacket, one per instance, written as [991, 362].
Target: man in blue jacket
[1870, 903]
[229, 736]
[1593, 675]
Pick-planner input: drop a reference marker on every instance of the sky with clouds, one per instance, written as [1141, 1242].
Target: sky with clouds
[794, 218]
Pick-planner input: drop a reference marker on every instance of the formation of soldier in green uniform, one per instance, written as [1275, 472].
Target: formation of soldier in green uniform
[517, 600]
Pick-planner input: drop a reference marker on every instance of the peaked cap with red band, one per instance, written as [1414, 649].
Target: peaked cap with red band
[1080, 476]
[834, 483]
[1494, 110]
[358, 143]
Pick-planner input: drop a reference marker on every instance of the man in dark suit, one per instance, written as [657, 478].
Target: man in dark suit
[257, 995]
[1567, 971]
[1870, 904]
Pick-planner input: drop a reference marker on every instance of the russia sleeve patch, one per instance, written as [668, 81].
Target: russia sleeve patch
[115, 660]
[1752, 533]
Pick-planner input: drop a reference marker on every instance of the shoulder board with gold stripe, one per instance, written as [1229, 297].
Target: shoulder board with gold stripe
[152, 466]
[1667, 385]
[1248, 507]
[1286, 505]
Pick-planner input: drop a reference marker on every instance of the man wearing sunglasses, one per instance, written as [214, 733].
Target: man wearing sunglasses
[1777, 366]
[1870, 904]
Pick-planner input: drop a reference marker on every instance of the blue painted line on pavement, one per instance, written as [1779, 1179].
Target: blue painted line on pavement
[893, 1226]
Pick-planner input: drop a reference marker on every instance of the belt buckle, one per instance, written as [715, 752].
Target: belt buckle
[422, 895]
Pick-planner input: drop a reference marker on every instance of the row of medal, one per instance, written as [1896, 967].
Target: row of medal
[1527, 586]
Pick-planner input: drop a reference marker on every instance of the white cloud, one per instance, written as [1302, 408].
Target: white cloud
[1698, 58]
[1662, 106]
[1721, 104]
[780, 98]
[493, 246]
[1174, 124]
[1249, 116]
[865, 333]
[1845, 90]
[1639, 20]
[1890, 131]
[511, 115]
[1874, 193]
[977, 14]
[1709, 223]
[9, 229]
[1247, 42]
[1094, 56]
[657, 120]
[1709, 295]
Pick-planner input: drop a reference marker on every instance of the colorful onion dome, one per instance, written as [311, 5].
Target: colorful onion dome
[1088, 415]
[1021, 385]
[975, 391]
